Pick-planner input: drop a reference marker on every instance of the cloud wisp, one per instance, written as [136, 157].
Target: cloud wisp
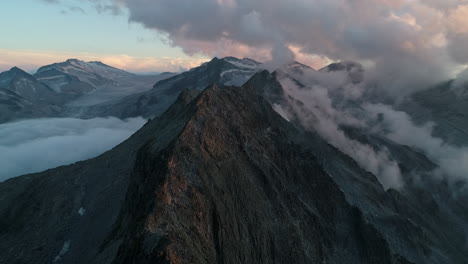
[329, 102]
[35, 145]
[398, 126]
[313, 107]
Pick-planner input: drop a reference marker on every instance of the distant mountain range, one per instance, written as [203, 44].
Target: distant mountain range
[151, 103]
[92, 89]
[236, 165]
[51, 90]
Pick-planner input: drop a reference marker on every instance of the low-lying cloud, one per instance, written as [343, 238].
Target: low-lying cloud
[315, 110]
[453, 160]
[36, 145]
[329, 102]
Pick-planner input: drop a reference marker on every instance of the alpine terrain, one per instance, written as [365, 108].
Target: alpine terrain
[236, 167]
[64, 89]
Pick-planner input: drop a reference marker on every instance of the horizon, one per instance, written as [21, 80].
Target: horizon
[77, 29]
[180, 70]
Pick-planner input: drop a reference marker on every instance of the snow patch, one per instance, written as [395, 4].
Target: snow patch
[82, 211]
[279, 109]
[50, 77]
[236, 71]
[243, 64]
[63, 251]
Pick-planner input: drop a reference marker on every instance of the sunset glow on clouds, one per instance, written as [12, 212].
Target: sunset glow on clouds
[430, 35]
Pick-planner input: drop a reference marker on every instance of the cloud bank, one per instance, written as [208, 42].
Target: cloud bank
[36, 145]
[427, 34]
[398, 126]
[329, 102]
[313, 107]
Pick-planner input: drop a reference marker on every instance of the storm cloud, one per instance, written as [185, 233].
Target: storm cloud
[36, 145]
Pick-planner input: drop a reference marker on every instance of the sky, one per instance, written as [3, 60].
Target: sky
[36, 33]
[424, 39]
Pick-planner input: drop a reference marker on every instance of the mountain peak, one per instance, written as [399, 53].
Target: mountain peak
[100, 63]
[73, 60]
[18, 71]
[234, 149]
[354, 70]
[343, 66]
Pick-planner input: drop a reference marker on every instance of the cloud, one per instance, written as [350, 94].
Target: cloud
[411, 43]
[330, 101]
[101, 6]
[107, 8]
[314, 109]
[36, 145]
[73, 9]
[398, 126]
[398, 36]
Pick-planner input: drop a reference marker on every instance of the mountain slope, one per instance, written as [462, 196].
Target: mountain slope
[221, 178]
[25, 85]
[446, 106]
[74, 205]
[92, 73]
[205, 183]
[226, 71]
[66, 89]
[22, 96]
[93, 82]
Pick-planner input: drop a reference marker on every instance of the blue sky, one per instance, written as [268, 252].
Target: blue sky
[35, 33]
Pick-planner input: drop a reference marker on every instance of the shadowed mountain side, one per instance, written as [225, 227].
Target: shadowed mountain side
[221, 178]
[225, 71]
[446, 106]
[41, 212]
[235, 187]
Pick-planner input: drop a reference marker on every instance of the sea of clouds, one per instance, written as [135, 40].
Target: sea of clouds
[30, 146]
